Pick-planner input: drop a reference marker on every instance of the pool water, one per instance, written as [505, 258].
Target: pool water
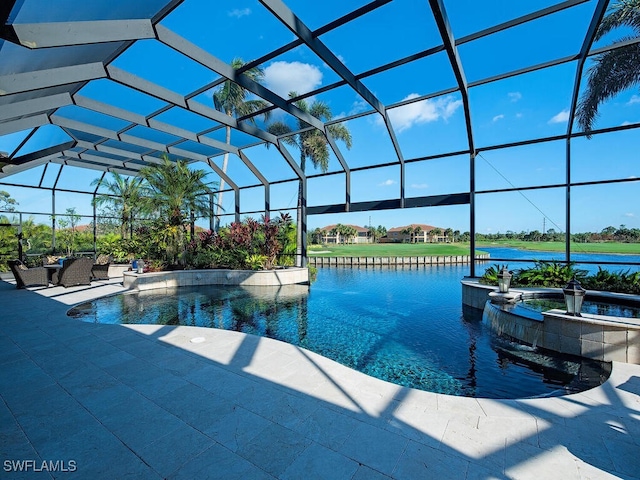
[588, 306]
[402, 324]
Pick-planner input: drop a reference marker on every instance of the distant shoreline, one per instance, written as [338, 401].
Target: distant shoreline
[610, 248]
[462, 248]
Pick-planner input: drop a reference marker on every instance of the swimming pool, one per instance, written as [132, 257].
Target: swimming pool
[401, 324]
[589, 305]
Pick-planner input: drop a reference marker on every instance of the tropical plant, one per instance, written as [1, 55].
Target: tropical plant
[256, 261]
[232, 99]
[407, 231]
[287, 239]
[448, 233]
[547, 274]
[614, 70]
[490, 276]
[176, 193]
[316, 236]
[36, 236]
[124, 197]
[311, 142]
[248, 244]
[417, 230]
[622, 281]
[435, 233]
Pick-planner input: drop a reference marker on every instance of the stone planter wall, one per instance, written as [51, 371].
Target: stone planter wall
[118, 269]
[183, 278]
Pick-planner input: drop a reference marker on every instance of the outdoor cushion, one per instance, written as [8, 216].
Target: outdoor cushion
[51, 259]
[103, 259]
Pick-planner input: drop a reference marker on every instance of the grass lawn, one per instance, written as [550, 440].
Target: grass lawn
[606, 247]
[390, 250]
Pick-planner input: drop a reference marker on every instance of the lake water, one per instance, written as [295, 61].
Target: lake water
[514, 253]
[402, 324]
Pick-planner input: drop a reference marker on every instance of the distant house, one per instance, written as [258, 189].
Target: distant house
[329, 235]
[423, 235]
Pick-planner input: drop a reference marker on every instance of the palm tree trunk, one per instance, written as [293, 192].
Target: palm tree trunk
[299, 218]
[225, 163]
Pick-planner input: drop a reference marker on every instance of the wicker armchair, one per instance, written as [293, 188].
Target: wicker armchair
[74, 271]
[100, 269]
[26, 277]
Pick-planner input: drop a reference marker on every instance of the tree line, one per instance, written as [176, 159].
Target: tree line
[621, 234]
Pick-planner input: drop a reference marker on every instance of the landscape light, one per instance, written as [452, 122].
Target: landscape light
[504, 280]
[573, 297]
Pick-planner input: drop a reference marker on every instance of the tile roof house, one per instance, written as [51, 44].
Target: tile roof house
[423, 234]
[362, 235]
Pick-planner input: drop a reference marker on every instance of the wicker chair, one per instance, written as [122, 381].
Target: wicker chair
[74, 271]
[26, 277]
[100, 269]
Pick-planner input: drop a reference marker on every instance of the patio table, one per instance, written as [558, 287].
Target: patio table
[51, 269]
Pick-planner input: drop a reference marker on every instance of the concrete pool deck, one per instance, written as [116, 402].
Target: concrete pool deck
[118, 401]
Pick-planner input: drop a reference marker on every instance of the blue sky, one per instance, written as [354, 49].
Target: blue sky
[515, 109]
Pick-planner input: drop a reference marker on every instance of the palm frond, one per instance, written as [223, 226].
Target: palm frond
[612, 72]
[622, 13]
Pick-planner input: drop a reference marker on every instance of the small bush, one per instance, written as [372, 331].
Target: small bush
[547, 274]
[556, 274]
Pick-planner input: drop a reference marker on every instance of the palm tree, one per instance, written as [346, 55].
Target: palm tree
[125, 196]
[435, 233]
[312, 143]
[612, 71]
[372, 233]
[407, 231]
[176, 194]
[350, 233]
[316, 235]
[231, 99]
[417, 230]
[448, 232]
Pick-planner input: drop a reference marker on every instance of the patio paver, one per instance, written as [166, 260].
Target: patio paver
[143, 401]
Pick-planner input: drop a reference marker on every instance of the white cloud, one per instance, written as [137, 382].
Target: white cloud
[633, 100]
[239, 12]
[518, 115]
[625, 123]
[561, 117]
[387, 183]
[498, 117]
[514, 96]
[424, 111]
[285, 77]
[359, 106]
[630, 215]
[419, 185]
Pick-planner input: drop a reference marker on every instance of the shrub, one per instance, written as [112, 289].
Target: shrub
[547, 274]
[490, 276]
[556, 274]
[622, 282]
